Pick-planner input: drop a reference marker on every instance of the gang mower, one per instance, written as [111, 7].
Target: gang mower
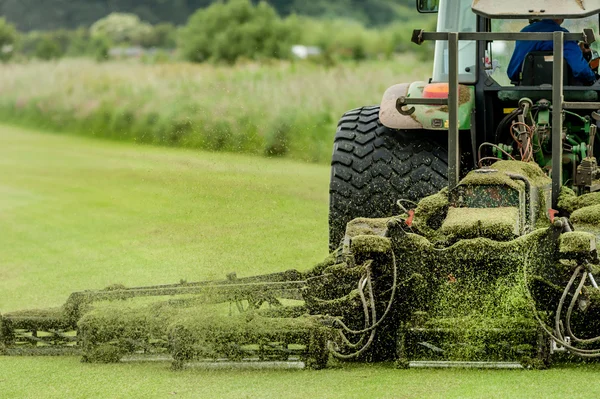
[464, 213]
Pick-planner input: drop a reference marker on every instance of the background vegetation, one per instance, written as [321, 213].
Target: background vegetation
[236, 28]
[55, 14]
[249, 94]
[280, 109]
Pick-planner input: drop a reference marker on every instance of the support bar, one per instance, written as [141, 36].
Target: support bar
[557, 115]
[420, 36]
[289, 289]
[453, 95]
[578, 105]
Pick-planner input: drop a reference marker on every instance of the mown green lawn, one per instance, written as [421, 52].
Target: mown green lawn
[78, 213]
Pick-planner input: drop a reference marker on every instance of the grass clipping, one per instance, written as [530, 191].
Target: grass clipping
[497, 223]
[475, 305]
[190, 332]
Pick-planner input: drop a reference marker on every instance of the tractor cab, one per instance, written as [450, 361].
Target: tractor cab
[493, 57]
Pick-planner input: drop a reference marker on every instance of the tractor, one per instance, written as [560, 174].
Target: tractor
[464, 213]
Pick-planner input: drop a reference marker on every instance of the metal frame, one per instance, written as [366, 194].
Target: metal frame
[420, 36]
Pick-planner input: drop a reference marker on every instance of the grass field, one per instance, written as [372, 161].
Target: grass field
[78, 213]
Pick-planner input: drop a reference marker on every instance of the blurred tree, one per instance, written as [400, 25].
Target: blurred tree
[8, 36]
[226, 32]
[80, 42]
[122, 28]
[100, 47]
[53, 14]
[163, 35]
[48, 48]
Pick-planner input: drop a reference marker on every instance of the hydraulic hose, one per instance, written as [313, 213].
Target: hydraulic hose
[387, 310]
[356, 354]
[557, 335]
[570, 311]
[372, 329]
[558, 339]
[505, 121]
[361, 284]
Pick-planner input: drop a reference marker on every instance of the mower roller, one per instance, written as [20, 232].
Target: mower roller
[464, 214]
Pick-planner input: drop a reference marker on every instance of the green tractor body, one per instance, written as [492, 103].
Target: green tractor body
[464, 214]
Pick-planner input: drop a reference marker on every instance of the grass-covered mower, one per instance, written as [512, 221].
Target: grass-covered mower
[463, 221]
[484, 272]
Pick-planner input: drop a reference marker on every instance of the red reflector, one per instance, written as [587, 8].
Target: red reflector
[436, 90]
[411, 217]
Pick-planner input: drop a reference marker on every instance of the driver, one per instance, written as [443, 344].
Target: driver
[572, 52]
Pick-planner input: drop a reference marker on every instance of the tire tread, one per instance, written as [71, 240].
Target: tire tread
[374, 166]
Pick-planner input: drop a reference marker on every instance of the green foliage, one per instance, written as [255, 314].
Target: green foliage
[370, 12]
[97, 43]
[48, 48]
[79, 42]
[55, 14]
[55, 44]
[8, 36]
[342, 39]
[163, 35]
[122, 28]
[99, 47]
[283, 108]
[227, 32]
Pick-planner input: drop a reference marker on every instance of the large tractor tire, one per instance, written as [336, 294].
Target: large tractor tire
[373, 167]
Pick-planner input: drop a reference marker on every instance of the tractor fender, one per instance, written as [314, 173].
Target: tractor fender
[389, 115]
[427, 117]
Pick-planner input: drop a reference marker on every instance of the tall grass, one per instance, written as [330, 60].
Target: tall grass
[280, 109]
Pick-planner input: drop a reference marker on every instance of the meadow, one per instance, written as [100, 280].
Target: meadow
[279, 109]
[77, 213]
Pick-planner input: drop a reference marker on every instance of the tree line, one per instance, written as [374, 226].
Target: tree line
[223, 32]
[30, 15]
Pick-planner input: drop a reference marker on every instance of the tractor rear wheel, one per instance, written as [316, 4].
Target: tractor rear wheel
[373, 166]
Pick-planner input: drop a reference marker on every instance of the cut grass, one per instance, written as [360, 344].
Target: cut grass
[77, 213]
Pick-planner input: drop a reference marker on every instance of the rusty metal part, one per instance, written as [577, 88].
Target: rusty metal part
[389, 115]
[587, 177]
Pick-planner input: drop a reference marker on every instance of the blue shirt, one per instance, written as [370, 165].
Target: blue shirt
[573, 55]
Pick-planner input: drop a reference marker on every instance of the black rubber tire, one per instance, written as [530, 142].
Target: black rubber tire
[373, 166]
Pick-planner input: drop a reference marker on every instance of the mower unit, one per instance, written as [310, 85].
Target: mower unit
[463, 220]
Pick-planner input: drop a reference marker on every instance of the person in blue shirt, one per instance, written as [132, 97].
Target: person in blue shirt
[572, 52]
